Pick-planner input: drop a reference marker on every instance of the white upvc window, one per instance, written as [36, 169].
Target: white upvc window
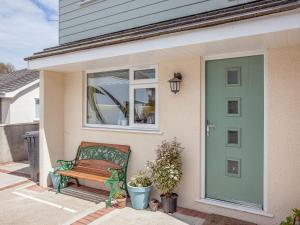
[124, 98]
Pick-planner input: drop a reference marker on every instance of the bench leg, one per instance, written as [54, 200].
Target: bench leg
[77, 182]
[125, 185]
[59, 184]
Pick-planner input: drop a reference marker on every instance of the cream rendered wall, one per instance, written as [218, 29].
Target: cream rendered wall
[179, 117]
[61, 128]
[51, 122]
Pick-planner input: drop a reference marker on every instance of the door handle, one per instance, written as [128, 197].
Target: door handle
[209, 126]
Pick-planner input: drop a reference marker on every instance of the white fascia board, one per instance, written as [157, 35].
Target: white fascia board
[261, 25]
[12, 94]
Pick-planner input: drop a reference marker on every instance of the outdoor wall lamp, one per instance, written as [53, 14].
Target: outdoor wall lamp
[175, 82]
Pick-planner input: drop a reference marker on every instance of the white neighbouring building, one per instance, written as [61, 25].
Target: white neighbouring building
[19, 97]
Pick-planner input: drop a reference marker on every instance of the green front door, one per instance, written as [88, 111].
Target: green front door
[235, 130]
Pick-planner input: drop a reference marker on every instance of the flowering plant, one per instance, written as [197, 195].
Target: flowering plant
[141, 179]
[166, 170]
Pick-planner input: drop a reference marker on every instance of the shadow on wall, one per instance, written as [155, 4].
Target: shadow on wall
[13, 147]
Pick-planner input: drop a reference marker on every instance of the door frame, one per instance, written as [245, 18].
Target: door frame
[224, 204]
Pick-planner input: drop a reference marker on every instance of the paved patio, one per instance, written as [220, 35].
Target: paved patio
[24, 202]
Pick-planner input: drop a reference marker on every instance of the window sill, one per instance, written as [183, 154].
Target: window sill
[125, 130]
[235, 207]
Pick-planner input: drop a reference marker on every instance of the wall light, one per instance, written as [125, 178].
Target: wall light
[175, 82]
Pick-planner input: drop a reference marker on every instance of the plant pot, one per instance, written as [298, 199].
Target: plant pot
[139, 196]
[169, 203]
[154, 204]
[55, 178]
[121, 202]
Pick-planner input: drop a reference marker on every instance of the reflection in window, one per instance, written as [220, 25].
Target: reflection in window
[144, 74]
[144, 105]
[108, 97]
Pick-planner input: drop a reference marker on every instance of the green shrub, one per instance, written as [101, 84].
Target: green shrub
[141, 179]
[166, 170]
[292, 220]
[120, 194]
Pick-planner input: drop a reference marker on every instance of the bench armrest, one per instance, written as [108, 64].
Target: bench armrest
[120, 171]
[65, 164]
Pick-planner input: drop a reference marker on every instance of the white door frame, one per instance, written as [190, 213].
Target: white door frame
[203, 135]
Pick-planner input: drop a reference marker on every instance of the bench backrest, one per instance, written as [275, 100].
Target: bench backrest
[102, 156]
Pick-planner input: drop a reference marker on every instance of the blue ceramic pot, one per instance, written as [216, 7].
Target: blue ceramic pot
[139, 196]
[55, 178]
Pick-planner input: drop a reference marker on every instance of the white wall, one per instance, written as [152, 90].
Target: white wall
[21, 108]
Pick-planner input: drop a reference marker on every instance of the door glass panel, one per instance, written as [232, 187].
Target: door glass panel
[233, 106]
[233, 167]
[233, 76]
[144, 105]
[233, 137]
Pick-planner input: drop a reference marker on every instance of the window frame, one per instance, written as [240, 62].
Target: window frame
[133, 84]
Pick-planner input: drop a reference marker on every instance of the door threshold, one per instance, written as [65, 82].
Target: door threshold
[233, 206]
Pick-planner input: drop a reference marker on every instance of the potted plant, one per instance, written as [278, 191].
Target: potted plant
[120, 196]
[154, 203]
[167, 172]
[139, 188]
[56, 180]
[292, 220]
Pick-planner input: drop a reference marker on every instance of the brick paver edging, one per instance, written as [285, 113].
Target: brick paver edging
[93, 216]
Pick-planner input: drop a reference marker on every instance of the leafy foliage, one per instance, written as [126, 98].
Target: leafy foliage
[6, 68]
[292, 220]
[120, 194]
[141, 179]
[167, 168]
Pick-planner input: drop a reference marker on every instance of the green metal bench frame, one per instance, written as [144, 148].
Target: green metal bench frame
[116, 154]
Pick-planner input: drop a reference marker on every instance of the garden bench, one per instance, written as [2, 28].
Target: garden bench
[105, 163]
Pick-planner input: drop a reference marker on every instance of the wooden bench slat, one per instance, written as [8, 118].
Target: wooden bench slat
[83, 175]
[95, 167]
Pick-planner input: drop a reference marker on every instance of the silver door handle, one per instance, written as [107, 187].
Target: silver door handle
[208, 127]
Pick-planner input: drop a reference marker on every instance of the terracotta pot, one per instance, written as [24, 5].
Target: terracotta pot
[121, 202]
[154, 204]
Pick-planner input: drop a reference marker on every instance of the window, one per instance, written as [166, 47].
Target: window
[233, 106]
[233, 137]
[233, 76]
[233, 167]
[124, 98]
[37, 108]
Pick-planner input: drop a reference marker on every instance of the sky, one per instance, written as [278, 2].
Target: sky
[26, 26]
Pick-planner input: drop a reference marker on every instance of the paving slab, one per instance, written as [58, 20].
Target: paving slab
[129, 216]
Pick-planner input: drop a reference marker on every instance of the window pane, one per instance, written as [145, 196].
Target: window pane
[232, 137]
[144, 74]
[232, 107]
[233, 167]
[233, 76]
[108, 97]
[144, 105]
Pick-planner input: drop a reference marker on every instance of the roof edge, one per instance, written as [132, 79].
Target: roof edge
[222, 16]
